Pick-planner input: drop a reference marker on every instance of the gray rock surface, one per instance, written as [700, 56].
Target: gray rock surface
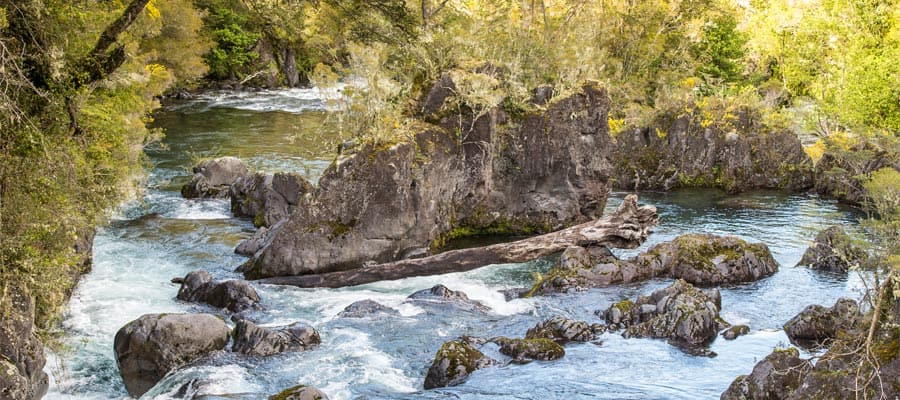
[22, 375]
[233, 295]
[561, 330]
[816, 323]
[442, 295]
[254, 340]
[267, 198]
[153, 345]
[775, 377]
[213, 178]
[833, 250]
[367, 308]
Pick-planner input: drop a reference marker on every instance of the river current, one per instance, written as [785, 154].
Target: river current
[161, 236]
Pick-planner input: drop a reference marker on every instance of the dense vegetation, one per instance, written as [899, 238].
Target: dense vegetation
[79, 86]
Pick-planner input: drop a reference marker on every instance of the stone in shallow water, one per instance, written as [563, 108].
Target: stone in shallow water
[300, 392]
[254, 340]
[233, 295]
[524, 350]
[833, 250]
[775, 377]
[735, 331]
[213, 178]
[442, 295]
[366, 308]
[817, 323]
[561, 330]
[453, 364]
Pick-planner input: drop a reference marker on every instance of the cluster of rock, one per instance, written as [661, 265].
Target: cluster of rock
[457, 359]
[700, 259]
[681, 313]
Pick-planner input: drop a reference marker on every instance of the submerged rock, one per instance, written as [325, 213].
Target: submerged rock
[680, 312]
[267, 198]
[816, 323]
[735, 331]
[700, 259]
[254, 340]
[775, 377]
[233, 295]
[453, 364]
[213, 178]
[22, 375]
[505, 176]
[300, 392]
[833, 250]
[687, 150]
[153, 345]
[367, 308]
[561, 330]
[440, 294]
[524, 350]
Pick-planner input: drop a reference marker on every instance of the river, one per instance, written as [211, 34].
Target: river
[162, 236]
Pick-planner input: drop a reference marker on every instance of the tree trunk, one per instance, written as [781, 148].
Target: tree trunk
[627, 228]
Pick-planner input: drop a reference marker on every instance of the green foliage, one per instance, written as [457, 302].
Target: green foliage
[721, 50]
[227, 22]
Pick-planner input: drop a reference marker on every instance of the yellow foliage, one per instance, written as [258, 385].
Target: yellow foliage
[152, 10]
[616, 126]
[815, 150]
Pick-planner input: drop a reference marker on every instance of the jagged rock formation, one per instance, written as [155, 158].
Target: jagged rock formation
[700, 259]
[254, 340]
[267, 198]
[833, 250]
[151, 346]
[233, 295]
[686, 151]
[22, 375]
[816, 323]
[213, 178]
[680, 312]
[453, 364]
[545, 171]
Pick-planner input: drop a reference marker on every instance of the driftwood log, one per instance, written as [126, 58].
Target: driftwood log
[626, 228]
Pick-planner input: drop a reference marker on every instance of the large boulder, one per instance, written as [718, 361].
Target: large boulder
[833, 250]
[213, 178]
[453, 364]
[525, 350]
[22, 375]
[267, 198]
[686, 149]
[153, 345]
[254, 340]
[300, 392]
[682, 313]
[441, 295]
[499, 174]
[816, 323]
[700, 259]
[233, 295]
[775, 377]
[561, 330]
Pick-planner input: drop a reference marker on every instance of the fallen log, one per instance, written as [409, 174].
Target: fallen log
[626, 228]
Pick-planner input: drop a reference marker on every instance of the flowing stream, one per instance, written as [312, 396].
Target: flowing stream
[164, 236]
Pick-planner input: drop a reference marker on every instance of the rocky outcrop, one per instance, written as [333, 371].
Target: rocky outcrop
[300, 392]
[839, 173]
[546, 170]
[680, 312]
[22, 375]
[453, 364]
[267, 198]
[700, 259]
[442, 295]
[367, 308]
[254, 340]
[213, 178]
[816, 323]
[561, 330]
[525, 350]
[153, 345]
[233, 295]
[775, 377]
[249, 247]
[833, 250]
[735, 331]
[687, 150]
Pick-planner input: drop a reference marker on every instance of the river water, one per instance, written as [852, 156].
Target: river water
[164, 236]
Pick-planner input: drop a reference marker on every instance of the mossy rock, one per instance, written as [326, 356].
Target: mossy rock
[300, 392]
[531, 349]
[453, 364]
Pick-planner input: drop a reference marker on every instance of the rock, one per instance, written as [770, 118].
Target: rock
[524, 350]
[453, 364]
[155, 344]
[775, 377]
[514, 293]
[677, 151]
[233, 295]
[504, 176]
[213, 178]
[680, 312]
[561, 330]
[841, 176]
[254, 340]
[833, 250]
[22, 375]
[735, 331]
[441, 294]
[300, 392]
[816, 323]
[267, 198]
[250, 246]
[367, 308]
[700, 259]
[542, 95]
